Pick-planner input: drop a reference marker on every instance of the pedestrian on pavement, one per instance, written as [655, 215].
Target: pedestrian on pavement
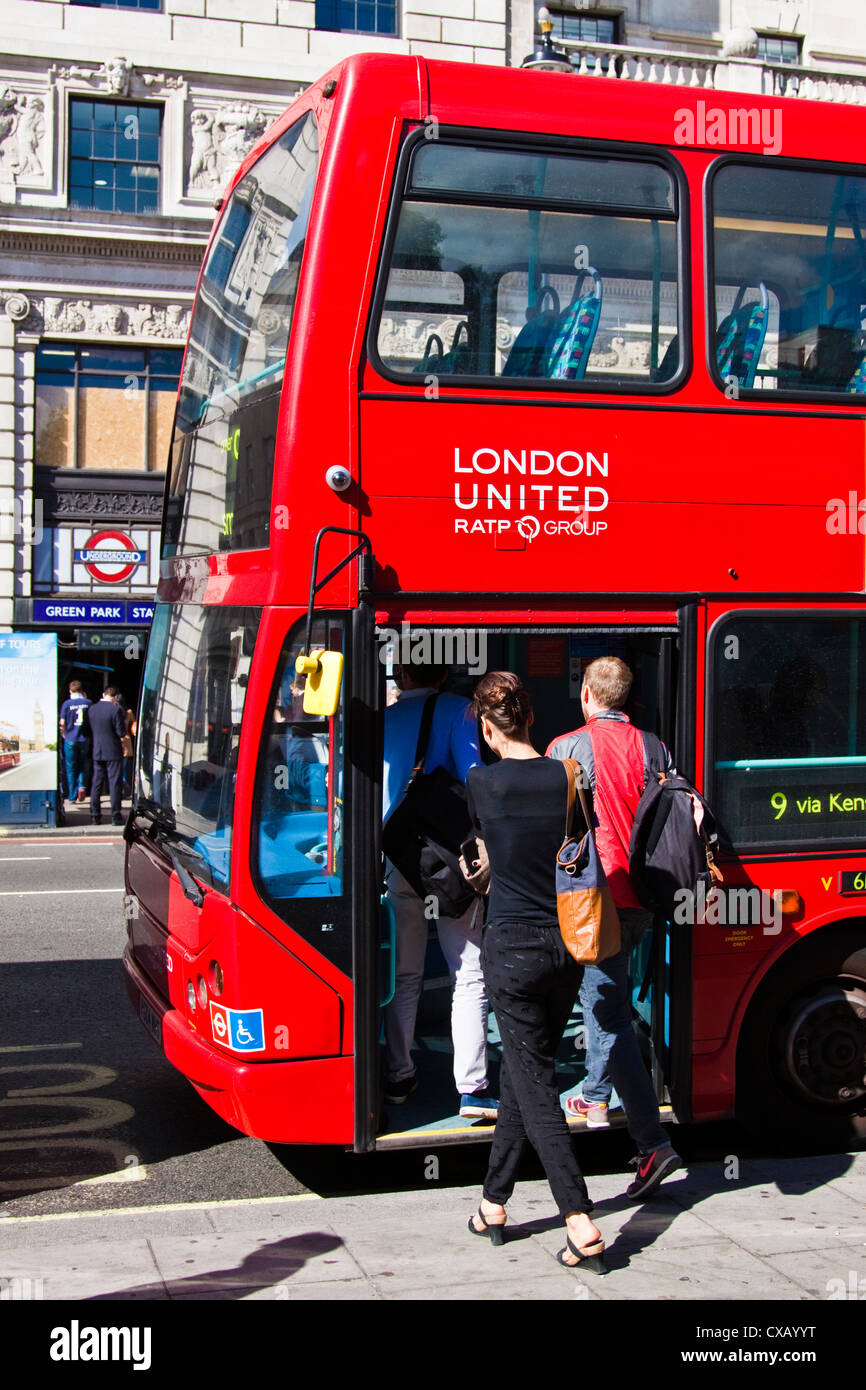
[107, 728]
[129, 734]
[453, 744]
[518, 808]
[612, 755]
[76, 740]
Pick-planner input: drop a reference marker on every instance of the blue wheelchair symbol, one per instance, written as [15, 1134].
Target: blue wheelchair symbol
[247, 1030]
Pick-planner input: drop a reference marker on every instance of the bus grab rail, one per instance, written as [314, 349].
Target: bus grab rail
[390, 946]
[364, 577]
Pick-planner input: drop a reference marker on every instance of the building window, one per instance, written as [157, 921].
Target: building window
[357, 16]
[779, 48]
[105, 406]
[588, 28]
[114, 156]
[120, 4]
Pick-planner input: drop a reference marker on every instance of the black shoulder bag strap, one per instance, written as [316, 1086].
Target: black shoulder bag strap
[657, 765]
[423, 736]
[652, 752]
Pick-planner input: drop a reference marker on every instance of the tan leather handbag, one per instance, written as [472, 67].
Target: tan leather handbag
[588, 919]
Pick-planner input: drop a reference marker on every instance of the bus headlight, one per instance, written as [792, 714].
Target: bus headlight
[215, 977]
[190, 996]
[202, 991]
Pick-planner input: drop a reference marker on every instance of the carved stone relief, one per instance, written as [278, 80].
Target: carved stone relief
[116, 76]
[22, 137]
[93, 503]
[220, 137]
[55, 316]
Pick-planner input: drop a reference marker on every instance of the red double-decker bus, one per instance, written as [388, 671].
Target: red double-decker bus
[10, 755]
[552, 367]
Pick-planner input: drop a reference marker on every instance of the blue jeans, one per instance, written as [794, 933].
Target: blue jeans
[612, 1051]
[75, 753]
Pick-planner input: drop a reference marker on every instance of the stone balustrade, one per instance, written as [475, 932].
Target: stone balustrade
[627, 63]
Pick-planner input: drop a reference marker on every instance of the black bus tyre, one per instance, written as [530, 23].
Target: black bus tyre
[801, 1058]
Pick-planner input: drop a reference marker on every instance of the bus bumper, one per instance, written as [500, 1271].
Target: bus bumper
[293, 1102]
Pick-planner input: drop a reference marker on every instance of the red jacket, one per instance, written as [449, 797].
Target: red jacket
[611, 751]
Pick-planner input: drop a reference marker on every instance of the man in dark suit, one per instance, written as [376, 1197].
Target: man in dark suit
[107, 728]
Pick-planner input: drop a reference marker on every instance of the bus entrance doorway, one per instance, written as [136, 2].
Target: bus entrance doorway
[550, 660]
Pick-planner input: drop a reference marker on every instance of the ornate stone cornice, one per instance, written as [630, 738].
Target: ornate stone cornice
[72, 316]
[24, 242]
[79, 495]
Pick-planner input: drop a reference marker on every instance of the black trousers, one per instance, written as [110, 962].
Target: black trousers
[532, 985]
[112, 768]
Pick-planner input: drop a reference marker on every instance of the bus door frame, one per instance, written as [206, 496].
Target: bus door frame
[673, 970]
[365, 750]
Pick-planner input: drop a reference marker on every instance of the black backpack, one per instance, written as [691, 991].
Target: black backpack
[668, 852]
[423, 835]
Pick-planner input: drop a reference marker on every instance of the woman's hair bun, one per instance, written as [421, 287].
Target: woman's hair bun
[501, 697]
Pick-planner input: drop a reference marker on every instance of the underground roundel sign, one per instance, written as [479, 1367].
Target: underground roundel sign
[110, 556]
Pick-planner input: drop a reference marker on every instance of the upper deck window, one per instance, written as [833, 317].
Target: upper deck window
[516, 263]
[225, 431]
[789, 266]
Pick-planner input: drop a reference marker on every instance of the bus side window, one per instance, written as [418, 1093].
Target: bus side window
[297, 825]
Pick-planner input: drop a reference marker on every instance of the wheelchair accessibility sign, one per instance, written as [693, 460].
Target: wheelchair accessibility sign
[241, 1030]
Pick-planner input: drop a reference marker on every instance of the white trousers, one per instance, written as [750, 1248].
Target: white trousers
[461, 947]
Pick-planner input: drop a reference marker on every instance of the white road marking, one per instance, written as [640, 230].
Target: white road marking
[136, 1173]
[22, 858]
[42, 892]
[99, 843]
[165, 1206]
[41, 1047]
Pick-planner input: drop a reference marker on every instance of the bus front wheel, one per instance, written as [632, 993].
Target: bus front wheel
[801, 1059]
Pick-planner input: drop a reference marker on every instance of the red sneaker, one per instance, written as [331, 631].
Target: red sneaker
[594, 1112]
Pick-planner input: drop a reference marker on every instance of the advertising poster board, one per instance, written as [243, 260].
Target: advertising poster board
[28, 727]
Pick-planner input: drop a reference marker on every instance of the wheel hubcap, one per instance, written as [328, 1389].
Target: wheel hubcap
[825, 1044]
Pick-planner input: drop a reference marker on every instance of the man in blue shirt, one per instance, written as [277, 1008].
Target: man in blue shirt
[453, 745]
[76, 741]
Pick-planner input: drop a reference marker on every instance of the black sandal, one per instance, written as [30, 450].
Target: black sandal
[495, 1230]
[589, 1257]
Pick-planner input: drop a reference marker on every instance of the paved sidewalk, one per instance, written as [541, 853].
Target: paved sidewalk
[78, 823]
[784, 1229]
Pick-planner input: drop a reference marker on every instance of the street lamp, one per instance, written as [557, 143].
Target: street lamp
[545, 57]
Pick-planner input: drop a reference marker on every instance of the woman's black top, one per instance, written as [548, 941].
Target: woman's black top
[518, 807]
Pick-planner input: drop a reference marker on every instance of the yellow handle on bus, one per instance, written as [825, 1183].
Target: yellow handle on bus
[324, 672]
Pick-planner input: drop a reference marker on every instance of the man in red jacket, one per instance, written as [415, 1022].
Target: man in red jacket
[611, 752]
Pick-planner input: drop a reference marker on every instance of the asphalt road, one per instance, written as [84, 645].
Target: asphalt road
[86, 1095]
[92, 1116]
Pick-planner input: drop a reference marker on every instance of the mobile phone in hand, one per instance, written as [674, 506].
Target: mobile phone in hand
[470, 852]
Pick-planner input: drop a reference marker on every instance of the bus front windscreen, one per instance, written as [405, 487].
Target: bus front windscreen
[225, 431]
[192, 702]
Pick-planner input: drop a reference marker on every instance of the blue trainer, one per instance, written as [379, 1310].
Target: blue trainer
[478, 1108]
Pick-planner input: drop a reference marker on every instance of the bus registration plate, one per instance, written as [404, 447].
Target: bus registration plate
[151, 1020]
